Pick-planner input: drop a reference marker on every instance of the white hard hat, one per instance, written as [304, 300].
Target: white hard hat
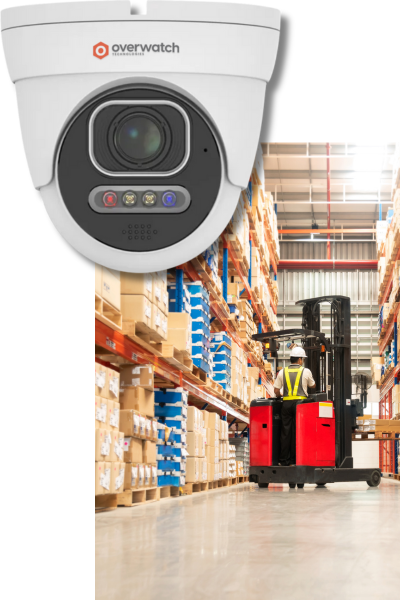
[298, 352]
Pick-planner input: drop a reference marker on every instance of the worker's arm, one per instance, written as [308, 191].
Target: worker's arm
[310, 380]
[278, 384]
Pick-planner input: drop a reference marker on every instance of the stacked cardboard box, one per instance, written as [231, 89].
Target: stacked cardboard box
[139, 426]
[108, 285]
[196, 463]
[180, 331]
[144, 300]
[242, 453]
[221, 349]
[212, 425]
[173, 299]
[201, 319]
[379, 425]
[376, 368]
[232, 460]
[109, 454]
[395, 400]
[223, 449]
[171, 410]
[238, 358]
[211, 256]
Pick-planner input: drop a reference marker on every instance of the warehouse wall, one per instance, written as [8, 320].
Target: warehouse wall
[318, 251]
[360, 286]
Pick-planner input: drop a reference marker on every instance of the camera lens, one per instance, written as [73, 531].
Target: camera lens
[139, 138]
[169, 199]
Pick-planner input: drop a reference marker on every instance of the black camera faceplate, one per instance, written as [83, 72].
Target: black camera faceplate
[201, 176]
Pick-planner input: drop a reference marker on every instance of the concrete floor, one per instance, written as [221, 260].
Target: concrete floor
[245, 543]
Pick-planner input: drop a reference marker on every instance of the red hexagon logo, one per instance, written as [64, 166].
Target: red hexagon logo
[100, 50]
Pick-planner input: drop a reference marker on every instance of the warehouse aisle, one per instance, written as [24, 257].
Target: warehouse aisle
[247, 543]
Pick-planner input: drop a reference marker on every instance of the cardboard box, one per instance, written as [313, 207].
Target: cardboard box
[147, 475]
[137, 376]
[213, 421]
[140, 476]
[210, 471]
[113, 410]
[180, 331]
[138, 399]
[154, 477]
[193, 419]
[192, 441]
[137, 284]
[203, 469]
[100, 380]
[116, 447]
[205, 418]
[100, 412]
[102, 445]
[212, 456]
[159, 322]
[202, 445]
[192, 470]
[133, 450]
[149, 452]
[148, 429]
[112, 385]
[129, 423]
[111, 287]
[99, 478]
[131, 476]
[154, 429]
[117, 477]
[138, 309]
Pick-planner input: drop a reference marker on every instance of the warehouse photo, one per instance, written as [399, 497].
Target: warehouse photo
[247, 405]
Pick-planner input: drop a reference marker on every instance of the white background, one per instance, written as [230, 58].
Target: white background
[337, 78]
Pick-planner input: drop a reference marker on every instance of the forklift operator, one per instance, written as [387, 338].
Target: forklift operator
[295, 380]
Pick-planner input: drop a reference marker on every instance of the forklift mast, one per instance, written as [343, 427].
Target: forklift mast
[336, 378]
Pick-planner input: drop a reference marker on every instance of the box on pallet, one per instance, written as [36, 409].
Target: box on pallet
[133, 376]
[137, 284]
[102, 477]
[180, 331]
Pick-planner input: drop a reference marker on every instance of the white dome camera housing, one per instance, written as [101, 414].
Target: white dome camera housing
[140, 130]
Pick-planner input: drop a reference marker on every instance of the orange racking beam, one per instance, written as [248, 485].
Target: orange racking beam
[120, 345]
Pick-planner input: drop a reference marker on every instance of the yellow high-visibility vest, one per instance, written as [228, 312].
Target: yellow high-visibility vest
[292, 394]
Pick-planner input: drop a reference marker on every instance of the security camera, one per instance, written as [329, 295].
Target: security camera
[140, 130]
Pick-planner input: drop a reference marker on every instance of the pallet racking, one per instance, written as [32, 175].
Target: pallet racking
[116, 347]
[389, 253]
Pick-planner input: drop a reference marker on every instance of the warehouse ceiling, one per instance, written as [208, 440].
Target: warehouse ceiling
[360, 179]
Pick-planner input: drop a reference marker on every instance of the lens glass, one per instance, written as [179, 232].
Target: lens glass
[139, 138]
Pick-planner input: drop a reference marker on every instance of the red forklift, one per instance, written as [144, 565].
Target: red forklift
[325, 420]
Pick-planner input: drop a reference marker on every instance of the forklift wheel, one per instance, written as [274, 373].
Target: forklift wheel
[375, 479]
[263, 485]
[320, 485]
[292, 485]
[300, 485]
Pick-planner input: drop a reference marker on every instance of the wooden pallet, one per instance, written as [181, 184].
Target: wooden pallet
[175, 357]
[105, 502]
[396, 476]
[142, 335]
[140, 496]
[198, 376]
[107, 314]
